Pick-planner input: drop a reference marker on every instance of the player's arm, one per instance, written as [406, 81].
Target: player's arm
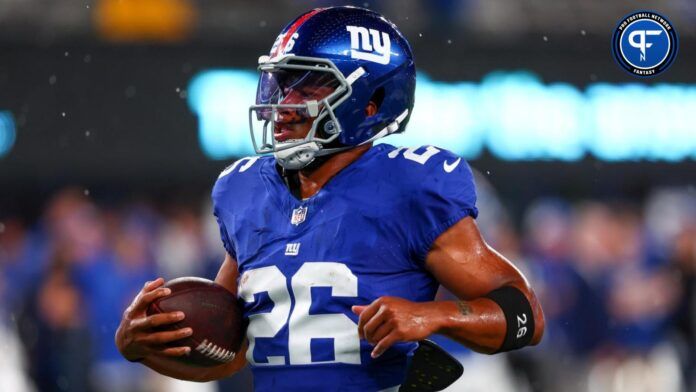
[464, 264]
[136, 339]
[467, 266]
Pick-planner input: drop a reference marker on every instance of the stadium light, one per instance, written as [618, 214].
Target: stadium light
[7, 132]
[513, 114]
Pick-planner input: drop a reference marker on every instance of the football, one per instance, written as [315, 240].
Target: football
[212, 312]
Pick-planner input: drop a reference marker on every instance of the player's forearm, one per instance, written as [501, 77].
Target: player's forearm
[478, 324]
[171, 368]
[175, 369]
[178, 370]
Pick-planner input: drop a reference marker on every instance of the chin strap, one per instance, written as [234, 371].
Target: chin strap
[302, 155]
[297, 157]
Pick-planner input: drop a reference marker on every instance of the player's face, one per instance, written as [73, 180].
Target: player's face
[294, 88]
[295, 124]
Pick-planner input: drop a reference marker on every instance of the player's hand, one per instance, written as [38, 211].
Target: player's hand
[136, 337]
[389, 320]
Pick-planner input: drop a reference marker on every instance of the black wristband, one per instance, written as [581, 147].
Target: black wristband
[518, 316]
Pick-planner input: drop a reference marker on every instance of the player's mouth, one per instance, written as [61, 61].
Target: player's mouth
[282, 134]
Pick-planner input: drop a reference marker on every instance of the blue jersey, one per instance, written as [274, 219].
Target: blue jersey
[303, 264]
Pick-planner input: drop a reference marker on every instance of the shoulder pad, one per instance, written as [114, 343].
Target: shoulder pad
[238, 176]
[426, 160]
[243, 163]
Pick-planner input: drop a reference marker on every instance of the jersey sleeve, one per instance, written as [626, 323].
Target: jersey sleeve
[222, 215]
[224, 235]
[444, 195]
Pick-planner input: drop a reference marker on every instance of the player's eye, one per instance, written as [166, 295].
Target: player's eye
[301, 93]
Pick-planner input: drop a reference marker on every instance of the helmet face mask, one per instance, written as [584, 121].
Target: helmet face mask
[315, 75]
[281, 80]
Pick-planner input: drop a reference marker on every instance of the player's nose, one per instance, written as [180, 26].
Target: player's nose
[290, 115]
[287, 115]
[293, 97]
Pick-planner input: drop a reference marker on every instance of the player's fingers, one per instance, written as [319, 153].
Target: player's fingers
[146, 323]
[146, 299]
[380, 333]
[174, 351]
[159, 338]
[153, 284]
[135, 307]
[357, 309]
[366, 315]
[384, 344]
[138, 324]
[371, 325]
[154, 294]
[163, 319]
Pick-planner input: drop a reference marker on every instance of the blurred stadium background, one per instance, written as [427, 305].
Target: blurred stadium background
[117, 115]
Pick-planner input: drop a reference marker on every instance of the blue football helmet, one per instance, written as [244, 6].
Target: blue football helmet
[328, 64]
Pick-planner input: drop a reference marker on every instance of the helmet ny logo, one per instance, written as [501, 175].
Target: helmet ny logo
[368, 44]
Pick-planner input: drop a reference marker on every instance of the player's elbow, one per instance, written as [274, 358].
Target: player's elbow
[206, 378]
[218, 373]
[205, 374]
[539, 324]
[537, 311]
[538, 329]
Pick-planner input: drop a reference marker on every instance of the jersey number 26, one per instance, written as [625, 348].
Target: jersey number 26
[302, 326]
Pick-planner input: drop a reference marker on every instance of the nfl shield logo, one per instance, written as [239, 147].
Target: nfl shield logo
[298, 215]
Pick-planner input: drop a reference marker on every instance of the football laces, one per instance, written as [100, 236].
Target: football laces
[215, 352]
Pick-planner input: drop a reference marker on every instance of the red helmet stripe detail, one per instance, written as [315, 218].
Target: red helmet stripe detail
[293, 28]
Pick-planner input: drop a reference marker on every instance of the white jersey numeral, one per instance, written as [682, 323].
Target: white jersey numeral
[272, 281]
[247, 163]
[302, 327]
[411, 155]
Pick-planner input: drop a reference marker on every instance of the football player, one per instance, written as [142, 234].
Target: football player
[336, 246]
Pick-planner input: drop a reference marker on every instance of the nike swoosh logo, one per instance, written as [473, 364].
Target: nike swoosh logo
[449, 167]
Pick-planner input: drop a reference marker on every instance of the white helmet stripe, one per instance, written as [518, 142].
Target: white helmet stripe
[355, 75]
[389, 129]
